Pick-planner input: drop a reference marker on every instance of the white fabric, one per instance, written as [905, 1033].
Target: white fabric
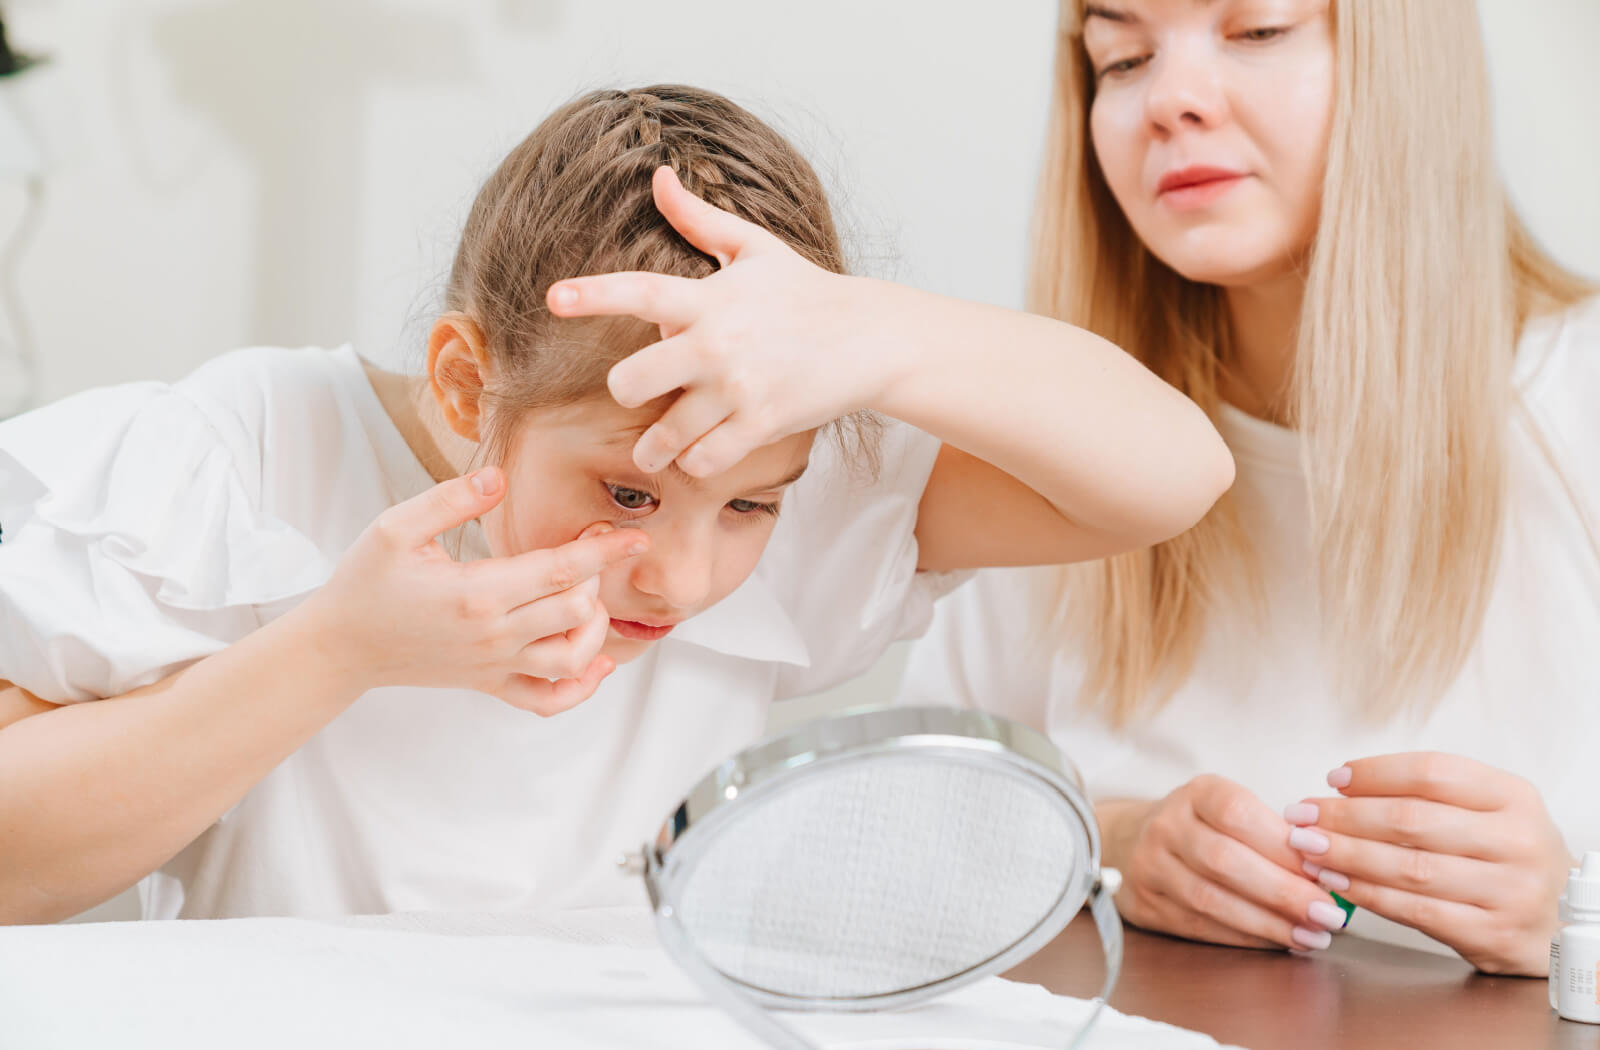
[149, 525]
[585, 981]
[1260, 708]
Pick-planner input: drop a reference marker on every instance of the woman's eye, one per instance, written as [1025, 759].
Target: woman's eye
[630, 499]
[749, 506]
[1126, 65]
[1261, 36]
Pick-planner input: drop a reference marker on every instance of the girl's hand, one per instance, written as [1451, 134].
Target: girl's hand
[1209, 862]
[1461, 851]
[527, 629]
[770, 345]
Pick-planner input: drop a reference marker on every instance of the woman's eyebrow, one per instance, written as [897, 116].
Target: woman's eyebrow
[1110, 14]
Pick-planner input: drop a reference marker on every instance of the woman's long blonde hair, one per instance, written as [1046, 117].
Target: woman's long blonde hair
[1418, 285]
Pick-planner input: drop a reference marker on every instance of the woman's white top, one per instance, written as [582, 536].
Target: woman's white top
[1260, 707]
[148, 525]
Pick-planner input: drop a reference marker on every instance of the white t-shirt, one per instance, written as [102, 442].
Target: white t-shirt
[1261, 709]
[148, 525]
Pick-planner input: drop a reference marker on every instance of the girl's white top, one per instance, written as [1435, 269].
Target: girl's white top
[1261, 707]
[148, 525]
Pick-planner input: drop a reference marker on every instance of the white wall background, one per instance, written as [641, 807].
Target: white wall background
[229, 172]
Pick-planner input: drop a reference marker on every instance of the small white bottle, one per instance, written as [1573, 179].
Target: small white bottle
[1575, 954]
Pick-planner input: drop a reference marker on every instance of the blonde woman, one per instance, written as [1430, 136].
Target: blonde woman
[1289, 210]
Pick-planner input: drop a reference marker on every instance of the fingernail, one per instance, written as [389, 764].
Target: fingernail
[563, 296]
[1328, 916]
[1332, 880]
[638, 548]
[1300, 813]
[486, 481]
[1340, 778]
[1307, 841]
[1312, 940]
[1311, 869]
[599, 528]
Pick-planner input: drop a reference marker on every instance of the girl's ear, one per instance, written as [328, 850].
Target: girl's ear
[458, 369]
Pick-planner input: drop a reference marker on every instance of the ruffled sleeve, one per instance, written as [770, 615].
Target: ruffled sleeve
[846, 558]
[133, 543]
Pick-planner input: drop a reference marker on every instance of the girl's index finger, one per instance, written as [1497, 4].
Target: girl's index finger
[534, 575]
[1434, 775]
[661, 299]
[720, 234]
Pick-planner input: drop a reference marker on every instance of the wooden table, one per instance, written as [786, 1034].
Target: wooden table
[1357, 994]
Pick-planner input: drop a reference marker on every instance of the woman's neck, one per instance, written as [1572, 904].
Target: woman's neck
[1258, 376]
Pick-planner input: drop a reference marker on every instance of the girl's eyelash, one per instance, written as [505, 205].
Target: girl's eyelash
[619, 492]
[752, 509]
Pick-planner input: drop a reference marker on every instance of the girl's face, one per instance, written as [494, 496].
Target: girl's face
[1210, 121]
[572, 467]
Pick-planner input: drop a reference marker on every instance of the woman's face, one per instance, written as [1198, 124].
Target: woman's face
[572, 467]
[1210, 121]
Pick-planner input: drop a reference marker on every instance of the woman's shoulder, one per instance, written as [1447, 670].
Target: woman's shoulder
[1558, 356]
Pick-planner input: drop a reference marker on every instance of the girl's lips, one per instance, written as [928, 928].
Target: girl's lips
[640, 631]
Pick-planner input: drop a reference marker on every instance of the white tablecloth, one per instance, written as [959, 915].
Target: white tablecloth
[587, 980]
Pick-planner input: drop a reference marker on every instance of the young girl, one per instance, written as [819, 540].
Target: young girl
[1290, 210]
[304, 705]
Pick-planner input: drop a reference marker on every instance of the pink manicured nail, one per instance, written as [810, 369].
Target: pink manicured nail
[1341, 777]
[1326, 915]
[1311, 869]
[1333, 880]
[1311, 940]
[1300, 813]
[1307, 841]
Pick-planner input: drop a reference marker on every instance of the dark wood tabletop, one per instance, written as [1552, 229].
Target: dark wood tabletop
[1358, 994]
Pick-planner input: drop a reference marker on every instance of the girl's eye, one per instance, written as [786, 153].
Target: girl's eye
[1261, 36]
[630, 499]
[747, 506]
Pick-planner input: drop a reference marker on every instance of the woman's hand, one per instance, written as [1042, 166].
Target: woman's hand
[1211, 862]
[527, 629]
[770, 345]
[1461, 851]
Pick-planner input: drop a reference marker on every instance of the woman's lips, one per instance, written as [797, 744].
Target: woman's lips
[643, 632]
[1196, 188]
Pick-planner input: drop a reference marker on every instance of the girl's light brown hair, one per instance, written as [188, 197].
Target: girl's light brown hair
[1419, 283]
[574, 199]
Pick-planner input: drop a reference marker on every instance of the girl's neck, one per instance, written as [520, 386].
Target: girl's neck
[406, 399]
[1258, 377]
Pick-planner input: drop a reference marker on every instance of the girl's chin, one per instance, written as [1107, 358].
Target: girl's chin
[622, 650]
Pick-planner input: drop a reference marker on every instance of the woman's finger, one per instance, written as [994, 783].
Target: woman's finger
[1419, 871]
[1444, 920]
[1202, 896]
[691, 417]
[1440, 777]
[1417, 822]
[720, 234]
[661, 299]
[1292, 900]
